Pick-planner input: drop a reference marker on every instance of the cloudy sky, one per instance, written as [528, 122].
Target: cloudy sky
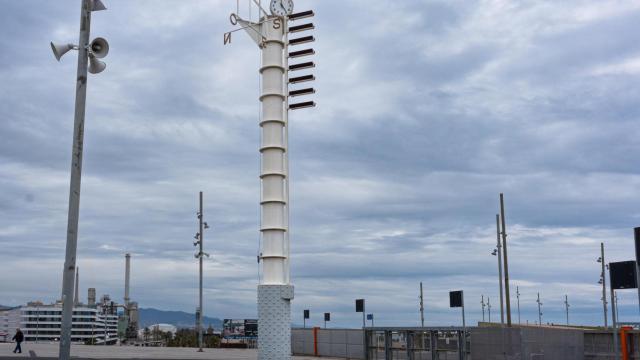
[427, 110]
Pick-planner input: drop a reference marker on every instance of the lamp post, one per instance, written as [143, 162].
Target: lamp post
[518, 297]
[539, 310]
[421, 306]
[566, 306]
[603, 282]
[506, 261]
[202, 225]
[88, 54]
[498, 252]
[483, 306]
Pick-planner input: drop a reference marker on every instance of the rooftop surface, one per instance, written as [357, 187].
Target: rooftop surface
[50, 351]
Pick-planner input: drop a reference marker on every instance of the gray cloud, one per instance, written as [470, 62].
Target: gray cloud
[427, 110]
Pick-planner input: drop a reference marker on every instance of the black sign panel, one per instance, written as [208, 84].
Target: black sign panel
[623, 275]
[306, 314]
[455, 298]
[327, 316]
[251, 328]
[359, 305]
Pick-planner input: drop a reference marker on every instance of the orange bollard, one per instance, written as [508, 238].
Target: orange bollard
[315, 341]
[623, 342]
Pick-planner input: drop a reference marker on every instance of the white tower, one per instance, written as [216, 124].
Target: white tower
[275, 290]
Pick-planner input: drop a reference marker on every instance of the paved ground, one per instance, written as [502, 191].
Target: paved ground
[50, 351]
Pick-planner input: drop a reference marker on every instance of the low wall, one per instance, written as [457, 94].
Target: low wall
[598, 345]
[527, 343]
[342, 343]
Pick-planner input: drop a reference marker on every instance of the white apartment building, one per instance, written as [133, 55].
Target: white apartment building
[41, 322]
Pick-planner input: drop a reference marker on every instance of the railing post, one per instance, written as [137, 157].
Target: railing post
[388, 354]
[433, 338]
[409, 336]
[461, 341]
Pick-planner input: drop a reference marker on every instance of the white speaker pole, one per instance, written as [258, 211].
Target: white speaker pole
[87, 6]
[74, 188]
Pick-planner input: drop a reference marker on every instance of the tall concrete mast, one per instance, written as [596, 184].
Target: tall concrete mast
[275, 290]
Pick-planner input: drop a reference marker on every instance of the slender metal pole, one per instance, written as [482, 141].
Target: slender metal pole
[539, 310]
[617, 310]
[518, 297]
[499, 247]
[636, 232]
[364, 312]
[603, 278]
[483, 306]
[566, 304]
[464, 333]
[489, 307]
[74, 186]
[200, 216]
[421, 306]
[506, 262]
[614, 320]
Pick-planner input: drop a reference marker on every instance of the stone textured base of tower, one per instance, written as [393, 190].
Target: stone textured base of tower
[274, 322]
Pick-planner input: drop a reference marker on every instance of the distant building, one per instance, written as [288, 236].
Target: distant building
[153, 329]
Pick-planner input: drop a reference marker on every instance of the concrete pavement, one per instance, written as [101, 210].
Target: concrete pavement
[81, 352]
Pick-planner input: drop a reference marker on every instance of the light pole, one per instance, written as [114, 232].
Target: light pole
[483, 306]
[518, 297]
[539, 310]
[489, 308]
[421, 306]
[566, 305]
[506, 262]
[603, 282]
[498, 252]
[202, 225]
[87, 53]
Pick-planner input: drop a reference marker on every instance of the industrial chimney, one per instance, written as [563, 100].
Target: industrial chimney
[126, 279]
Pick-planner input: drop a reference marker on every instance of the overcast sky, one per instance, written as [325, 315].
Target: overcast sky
[427, 110]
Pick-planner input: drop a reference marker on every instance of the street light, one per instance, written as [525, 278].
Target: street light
[200, 255]
[87, 52]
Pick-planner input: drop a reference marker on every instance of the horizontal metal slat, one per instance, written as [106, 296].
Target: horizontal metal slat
[304, 65]
[299, 79]
[302, 105]
[301, 40]
[300, 92]
[300, 53]
[303, 27]
[301, 15]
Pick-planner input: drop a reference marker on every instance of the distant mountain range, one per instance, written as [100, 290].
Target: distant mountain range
[179, 319]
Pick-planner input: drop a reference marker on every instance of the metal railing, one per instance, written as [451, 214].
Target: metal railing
[416, 343]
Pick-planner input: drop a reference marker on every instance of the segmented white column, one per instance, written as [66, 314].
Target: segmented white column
[274, 156]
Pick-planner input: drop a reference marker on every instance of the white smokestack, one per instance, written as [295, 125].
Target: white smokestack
[126, 279]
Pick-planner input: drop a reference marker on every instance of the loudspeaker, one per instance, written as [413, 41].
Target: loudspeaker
[96, 66]
[623, 275]
[60, 49]
[359, 305]
[306, 314]
[97, 5]
[455, 298]
[99, 47]
[327, 316]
